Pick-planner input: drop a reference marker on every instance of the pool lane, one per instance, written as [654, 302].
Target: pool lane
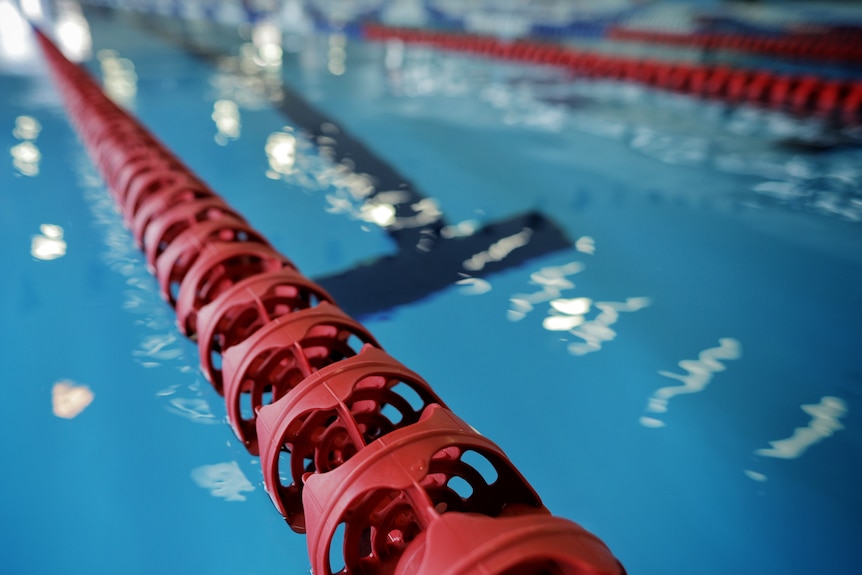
[763, 310]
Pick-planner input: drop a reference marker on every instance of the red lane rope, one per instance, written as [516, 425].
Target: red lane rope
[799, 94]
[838, 47]
[357, 451]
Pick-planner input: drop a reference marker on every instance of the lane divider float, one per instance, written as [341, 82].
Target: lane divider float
[357, 451]
[830, 46]
[801, 94]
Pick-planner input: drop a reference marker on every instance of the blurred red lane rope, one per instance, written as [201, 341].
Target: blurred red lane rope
[839, 100]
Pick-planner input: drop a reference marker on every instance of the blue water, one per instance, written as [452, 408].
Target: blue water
[700, 234]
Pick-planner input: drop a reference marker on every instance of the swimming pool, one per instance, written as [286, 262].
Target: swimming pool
[680, 377]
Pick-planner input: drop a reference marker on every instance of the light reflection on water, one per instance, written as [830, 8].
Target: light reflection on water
[553, 280]
[460, 230]
[26, 158]
[32, 9]
[588, 320]
[266, 38]
[586, 245]
[26, 155]
[69, 399]
[72, 32]
[308, 165]
[498, 250]
[26, 128]
[473, 286]
[281, 153]
[118, 78]
[159, 346]
[336, 56]
[49, 245]
[223, 480]
[310, 162]
[825, 421]
[16, 44]
[227, 120]
[598, 331]
[699, 373]
[194, 409]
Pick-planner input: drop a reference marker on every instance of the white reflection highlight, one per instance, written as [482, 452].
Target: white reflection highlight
[224, 480]
[576, 306]
[72, 32]
[119, 77]
[68, 400]
[281, 153]
[350, 198]
[14, 33]
[291, 157]
[426, 211]
[378, 213]
[26, 128]
[562, 322]
[226, 117]
[824, 423]
[460, 230]
[553, 279]
[49, 245]
[586, 245]
[337, 55]
[473, 286]
[698, 375]
[598, 331]
[498, 250]
[26, 155]
[32, 9]
[756, 476]
[266, 39]
[569, 314]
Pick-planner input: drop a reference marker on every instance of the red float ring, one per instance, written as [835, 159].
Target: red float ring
[397, 487]
[219, 266]
[331, 414]
[165, 215]
[179, 256]
[242, 309]
[278, 356]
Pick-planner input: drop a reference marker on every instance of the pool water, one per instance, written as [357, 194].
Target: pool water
[657, 319]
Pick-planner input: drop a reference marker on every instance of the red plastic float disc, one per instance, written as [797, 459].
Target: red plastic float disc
[242, 309]
[399, 485]
[278, 356]
[329, 416]
[167, 212]
[466, 544]
[178, 257]
[219, 266]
